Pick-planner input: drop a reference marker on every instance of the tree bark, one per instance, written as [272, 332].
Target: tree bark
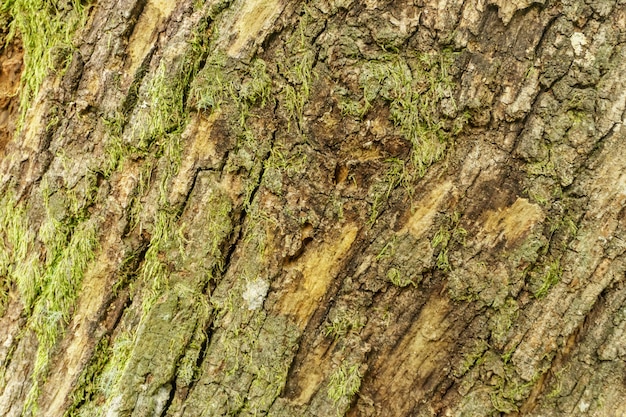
[378, 208]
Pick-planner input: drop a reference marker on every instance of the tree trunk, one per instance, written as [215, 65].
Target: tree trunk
[378, 208]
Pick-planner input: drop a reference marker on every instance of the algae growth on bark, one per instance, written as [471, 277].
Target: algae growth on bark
[231, 207]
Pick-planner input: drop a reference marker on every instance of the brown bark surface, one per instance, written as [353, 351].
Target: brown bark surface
[262, 207]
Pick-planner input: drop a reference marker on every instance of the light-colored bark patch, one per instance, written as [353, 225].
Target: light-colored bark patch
[81, 339]
[418, 355]
[146, 30]
[200, 148]
[312, 373]
[511, 223]
[609, 180]
[33, 127]
[11, 67]
[251, 19]
[519, 106]
[508, 8]
[315, 269]
[425, 212]
[579, 41]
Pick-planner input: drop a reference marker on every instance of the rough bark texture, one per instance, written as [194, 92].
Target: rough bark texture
[377, 208]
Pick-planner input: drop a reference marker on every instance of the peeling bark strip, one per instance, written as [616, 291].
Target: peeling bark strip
[233, 207]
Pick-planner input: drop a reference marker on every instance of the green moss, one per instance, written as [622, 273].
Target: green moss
[155, 128]
[352, 108]
[271, 353]
[341, 322]
[343, 384]
[449, 232]
[257, 86]
[188, 370]
[60, 285]
[551, 276]
[510, 390]
[64, 275]
[542, 168]
[154, 272]
[396, 278]
[297, 68]
[219, 225]
[397, 259]
[116, 150]
[502, 321]
[278, 164]
[107, 382]
[46, 29]
[216, 7]
[398, 173]
[17, 263]
[414, 89]
[48, 289]
[502, 404]
[213, 85]
[290, 165]
[297, 92]
[418, 89]
[472, 357]
[159, 122]
[441, 240]
[165, 116]
[377, 193]
[87, 384]
[217, 85]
